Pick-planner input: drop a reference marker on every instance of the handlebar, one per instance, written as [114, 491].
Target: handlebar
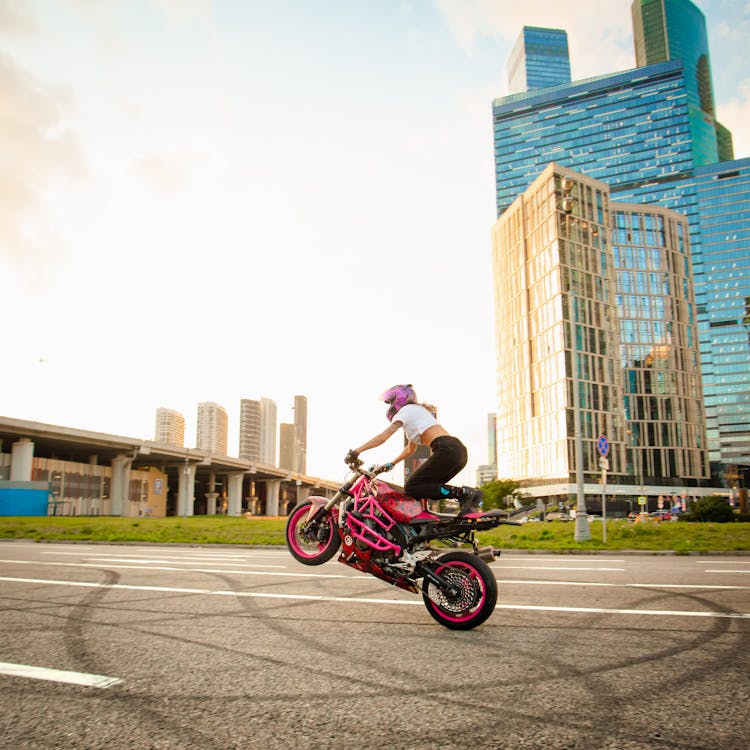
[371, 472]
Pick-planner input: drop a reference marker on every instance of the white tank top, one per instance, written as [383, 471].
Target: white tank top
[415, 419]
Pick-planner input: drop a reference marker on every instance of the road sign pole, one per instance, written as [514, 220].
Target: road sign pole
[602, 445]
[604, 507]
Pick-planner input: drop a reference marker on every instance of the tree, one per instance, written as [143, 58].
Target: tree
[500, 493]
[712, 508]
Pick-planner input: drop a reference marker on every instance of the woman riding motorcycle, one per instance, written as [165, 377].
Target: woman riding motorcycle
[447, 453]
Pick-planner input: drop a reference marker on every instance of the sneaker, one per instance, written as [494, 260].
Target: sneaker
[471, 500]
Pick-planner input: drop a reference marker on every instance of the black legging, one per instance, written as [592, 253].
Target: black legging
[447, 457]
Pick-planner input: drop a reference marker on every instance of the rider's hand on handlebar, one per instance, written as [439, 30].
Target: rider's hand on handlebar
[351, 457]
[374, 470]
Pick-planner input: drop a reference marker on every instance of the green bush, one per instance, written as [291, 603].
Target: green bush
[715, 509]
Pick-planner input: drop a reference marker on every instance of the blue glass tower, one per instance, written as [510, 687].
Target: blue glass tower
[629, 129]
[539, 59]
[723, 298]
[676, 30]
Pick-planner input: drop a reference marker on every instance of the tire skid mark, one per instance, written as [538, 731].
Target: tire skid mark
[520, 717]
[76, 643]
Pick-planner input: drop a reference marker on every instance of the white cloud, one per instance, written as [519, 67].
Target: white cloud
[735, 115]
[167, 171]
[597, 32]
[36, 150]
[15, 19]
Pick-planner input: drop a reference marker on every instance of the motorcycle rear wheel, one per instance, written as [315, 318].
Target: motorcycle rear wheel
[473, 595]
[311, 544]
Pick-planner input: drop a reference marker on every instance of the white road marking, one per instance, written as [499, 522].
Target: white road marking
[606, 611]
[560, 558]
[354, 575]
[723, 562]
[623, 585]
[552, 567]
[155, 561]
[180, 570]
[366, 600]
[726, 571]
[232, 559]
[58, 675]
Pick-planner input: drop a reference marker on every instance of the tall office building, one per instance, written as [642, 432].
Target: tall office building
[488, 472]
[249, 430]
[595, 296]
[539, 59]
[723, 192]
[287, 458]
[659, 345]
[212, 428]
[170, 427]
[676, 30]
[629, 129]
[300, 434]
[635, 131]
[267, 432]
[258, 431]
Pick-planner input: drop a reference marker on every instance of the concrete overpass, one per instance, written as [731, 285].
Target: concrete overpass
[197, 482]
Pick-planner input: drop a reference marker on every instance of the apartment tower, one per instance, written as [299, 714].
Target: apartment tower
[212, 428]
[170, 427]
[258, 431]
[300, 434]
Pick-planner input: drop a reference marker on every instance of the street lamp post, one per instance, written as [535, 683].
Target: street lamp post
[185, 494]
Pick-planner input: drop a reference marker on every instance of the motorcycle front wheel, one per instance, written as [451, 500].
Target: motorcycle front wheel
[471, 595]
[311, 543]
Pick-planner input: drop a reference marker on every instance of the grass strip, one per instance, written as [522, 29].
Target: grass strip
[681, 537]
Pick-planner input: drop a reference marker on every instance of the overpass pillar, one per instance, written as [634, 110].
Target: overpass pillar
[120, 487]
[21, 459]
[234, 505]
[211, 503]
[186, 490]
[302, 494]
[272, 496]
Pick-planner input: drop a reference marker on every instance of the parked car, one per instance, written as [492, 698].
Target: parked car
[662, 515]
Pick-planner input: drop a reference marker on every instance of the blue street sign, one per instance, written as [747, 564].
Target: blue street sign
[602, 445]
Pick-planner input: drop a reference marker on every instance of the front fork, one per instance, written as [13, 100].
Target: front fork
[320, 508]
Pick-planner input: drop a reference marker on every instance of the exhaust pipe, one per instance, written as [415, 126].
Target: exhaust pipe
[488, 554]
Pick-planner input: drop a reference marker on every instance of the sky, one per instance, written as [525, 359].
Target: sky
[210, 200]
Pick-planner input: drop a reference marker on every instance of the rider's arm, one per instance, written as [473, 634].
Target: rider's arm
[379, 439]
[409, 448]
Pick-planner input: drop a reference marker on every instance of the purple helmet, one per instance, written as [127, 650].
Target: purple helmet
[397, 397]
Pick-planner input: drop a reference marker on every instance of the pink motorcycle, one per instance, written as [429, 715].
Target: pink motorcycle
[387, 534]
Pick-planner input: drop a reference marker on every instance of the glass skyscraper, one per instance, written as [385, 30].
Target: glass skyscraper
[630, 129]
[635, 130]
[596, 297]
[676, 30]
[539, 59]
[659, 349]
[723, 192]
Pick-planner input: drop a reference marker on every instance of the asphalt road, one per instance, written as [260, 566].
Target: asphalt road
[220, 647]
